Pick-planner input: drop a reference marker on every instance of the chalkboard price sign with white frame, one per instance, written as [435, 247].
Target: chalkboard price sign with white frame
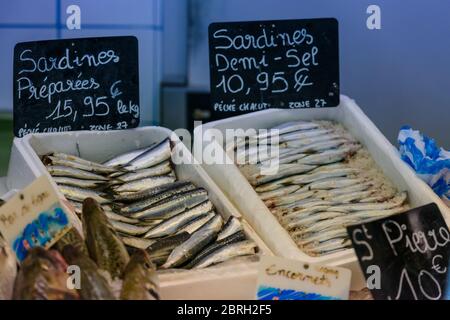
[286, 64]
[76, 84]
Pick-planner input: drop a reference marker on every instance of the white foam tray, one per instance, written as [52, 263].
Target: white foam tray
[231, 281]
[240, 192]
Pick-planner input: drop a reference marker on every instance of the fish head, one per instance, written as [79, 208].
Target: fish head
[70, 253]
[141, 258]
[92, 213]
[44, 276]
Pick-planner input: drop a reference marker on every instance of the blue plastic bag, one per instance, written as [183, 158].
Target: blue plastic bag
[431, 163]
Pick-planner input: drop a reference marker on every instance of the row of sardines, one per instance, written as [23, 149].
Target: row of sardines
[325, 181]
[150, 209]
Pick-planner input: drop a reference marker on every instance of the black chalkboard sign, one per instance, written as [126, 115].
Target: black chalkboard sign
[405, 256]
[76, 84]
[273, 64]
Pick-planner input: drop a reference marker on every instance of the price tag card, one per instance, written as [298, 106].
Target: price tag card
[273, 64]
[283, 279]
[76, 84]
[33, 217]
[405, 256]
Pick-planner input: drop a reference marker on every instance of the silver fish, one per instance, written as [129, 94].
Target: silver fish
[321, 236]
[147, 193]
[54, 161]
[198, 240]
[330, 246]
[284, 170]
[79, 194]
[320, 175]
[129, 229]
[278, 192]
[117, 217]
[242, 248]
[334, 183]
[161, 249]
[293, 126]
[61, 171]
[395, 202]
[317, 146]
[197, 223]
[313, 218]
[300, 135]
[151, 157]
[124, 158]
[284, 159]
[143, 184]
[328, 156]
[235, 237]
[100, 167]
[171, 225]
[139, 243]
[146, 203]
[81, 183]
[288, 199]
[158, 170]
[173, 205]
[232, 226]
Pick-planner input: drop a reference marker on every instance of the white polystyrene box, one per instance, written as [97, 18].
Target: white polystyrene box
[240, 192]
[231, 281]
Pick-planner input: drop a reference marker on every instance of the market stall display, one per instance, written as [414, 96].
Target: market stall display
[236, 186]
[142, 199]
[325, 181]
[212, 261]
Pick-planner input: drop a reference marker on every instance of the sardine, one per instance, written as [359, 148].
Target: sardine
[100, 167]
[198, 240]
[232, 226]
[161, 249]
[151, 157]
[172, 224]
[197, 223]
[395, 202]
[321, 175]
[158, 170]
[80, 183]
[334, 183]
[143, 184]
[284, 170]
[125, 158]
[146, 203]
[79, 194]
[173, 205]
[54, 161]
[288, 199]
[235, 237]
[278, 192]
[300, 135]
[60, 171]
[117, 217]
[226, 252]
[129, 229]
[139, 243]
[148, 192]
